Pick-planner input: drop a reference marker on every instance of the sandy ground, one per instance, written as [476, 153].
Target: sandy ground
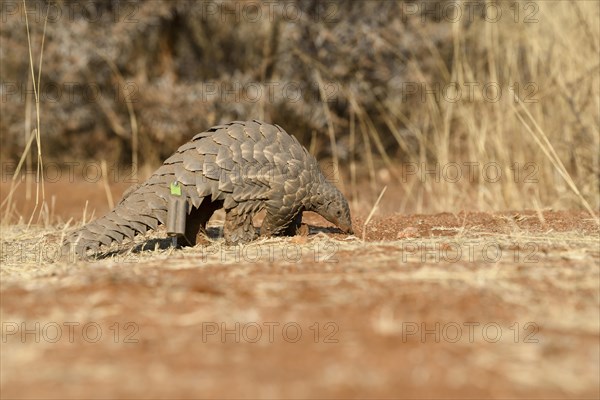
[467, 305]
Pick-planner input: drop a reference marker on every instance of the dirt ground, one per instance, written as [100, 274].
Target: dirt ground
[465, 305]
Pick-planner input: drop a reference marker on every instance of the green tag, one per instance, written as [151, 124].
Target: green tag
[175, 189]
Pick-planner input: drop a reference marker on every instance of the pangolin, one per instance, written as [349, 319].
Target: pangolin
[243, 167]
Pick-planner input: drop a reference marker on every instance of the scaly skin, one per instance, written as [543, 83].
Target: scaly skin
[243, 167]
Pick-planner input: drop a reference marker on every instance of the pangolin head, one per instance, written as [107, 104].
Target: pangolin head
[331, 204]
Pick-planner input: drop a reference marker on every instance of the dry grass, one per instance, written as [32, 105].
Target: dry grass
[483, 131]
[29, 252]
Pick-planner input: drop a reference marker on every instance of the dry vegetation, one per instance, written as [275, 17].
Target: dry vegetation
[367, 86]
[165, 70]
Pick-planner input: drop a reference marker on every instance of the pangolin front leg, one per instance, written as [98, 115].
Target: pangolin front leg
[277, 223]
[238, 228]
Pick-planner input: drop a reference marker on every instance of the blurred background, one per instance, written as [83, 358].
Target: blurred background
[483, 105]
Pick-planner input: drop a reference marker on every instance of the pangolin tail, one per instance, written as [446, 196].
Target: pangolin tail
[127, 219]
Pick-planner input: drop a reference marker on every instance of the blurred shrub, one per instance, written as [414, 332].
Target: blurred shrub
[186, 65]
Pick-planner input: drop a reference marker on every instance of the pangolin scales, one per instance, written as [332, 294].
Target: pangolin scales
[243, 167]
